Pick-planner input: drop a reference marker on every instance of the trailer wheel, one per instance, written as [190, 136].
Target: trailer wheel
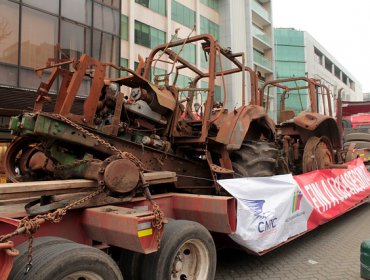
[70, 261]
[187, 252]
[130, 264]
[20, 262]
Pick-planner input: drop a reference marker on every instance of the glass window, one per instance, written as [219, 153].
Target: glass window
[28, 79]
[182, 14]
[158, 6]
[289, 53]
[188, 52]
[75, 40]
[8, 75]
[148, 36]
[208, 26]
[290, 69]
[9, 20]
[289, 37]
[112, 3]
[142, 34]
[213, 4]
[105, 49]
[123, 63]
[106, 18]
[77, 10]
[124, 27]
[157, 37]
[47, 5]
[39, 37]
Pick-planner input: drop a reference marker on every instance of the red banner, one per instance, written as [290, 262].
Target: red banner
[331, 192]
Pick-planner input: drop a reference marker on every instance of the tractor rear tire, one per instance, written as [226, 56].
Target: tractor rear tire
[70, 260]
[255, 159]
[357, 136]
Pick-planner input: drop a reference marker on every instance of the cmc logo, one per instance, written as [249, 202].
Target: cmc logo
[267, 225]
[297, 197]
[267, 221]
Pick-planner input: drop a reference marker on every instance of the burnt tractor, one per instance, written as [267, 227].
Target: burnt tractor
[308, 136]
[130, 125]
[145, 122]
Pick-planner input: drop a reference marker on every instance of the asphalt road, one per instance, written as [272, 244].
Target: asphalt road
[331, 251]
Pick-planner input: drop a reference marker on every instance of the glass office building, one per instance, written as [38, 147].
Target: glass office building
[33, 31]
[298, 54]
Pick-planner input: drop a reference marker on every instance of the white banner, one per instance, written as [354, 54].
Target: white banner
[269, 210]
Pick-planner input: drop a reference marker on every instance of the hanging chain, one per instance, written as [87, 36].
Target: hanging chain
[29, 226]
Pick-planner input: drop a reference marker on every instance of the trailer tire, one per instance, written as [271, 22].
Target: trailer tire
[357, 136]
[20, 262]
[130, 264]
[255, 159]
[186, 248]
[76, 261]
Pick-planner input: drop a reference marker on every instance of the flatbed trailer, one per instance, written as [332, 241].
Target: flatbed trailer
[124, 240]
[124, 230]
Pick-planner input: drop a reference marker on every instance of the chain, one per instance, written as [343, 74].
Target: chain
[101, 141]
[157, 223]
[30, 226]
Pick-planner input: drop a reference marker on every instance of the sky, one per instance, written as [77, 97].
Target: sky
[341, 27]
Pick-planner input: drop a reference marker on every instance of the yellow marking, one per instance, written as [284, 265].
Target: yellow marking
[145, 232]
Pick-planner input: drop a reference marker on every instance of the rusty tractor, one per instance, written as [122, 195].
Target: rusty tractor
[310, 140]
[129, 125]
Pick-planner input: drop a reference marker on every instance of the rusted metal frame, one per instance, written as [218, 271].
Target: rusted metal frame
[339, 110]
[211, 86]
[313, 97]
[216, 213]
[275, 83]
[162, 47]
[327, 93]
[54, 65]
[282, 103]
[91, 102]
[43, 90]
[6, 265]
[121, 227]
[66, 79]
[74, 85]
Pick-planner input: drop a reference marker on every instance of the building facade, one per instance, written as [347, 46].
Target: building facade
[298, 54]
[242, 25]
[32, 31]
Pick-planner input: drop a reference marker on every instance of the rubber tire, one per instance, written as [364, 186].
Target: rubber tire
[130, 264]
[59, 260]
[20, 262]
[357, 137]
[158, 265]
[359, 144]
[258, 159]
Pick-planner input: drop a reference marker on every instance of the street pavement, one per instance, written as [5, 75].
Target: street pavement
[331, 251]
